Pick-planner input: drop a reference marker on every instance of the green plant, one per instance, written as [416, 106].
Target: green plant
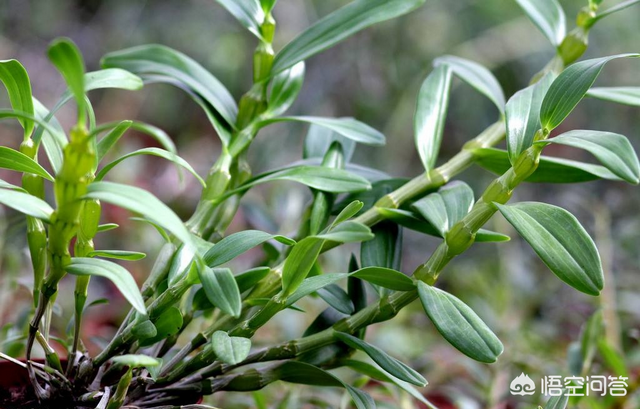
[143, 366]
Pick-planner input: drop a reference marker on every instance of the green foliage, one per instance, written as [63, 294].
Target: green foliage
[194, 320]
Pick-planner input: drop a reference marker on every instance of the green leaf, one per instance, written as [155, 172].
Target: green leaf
[109, 140]
[557, 402]
[53, 139]
[161, 153]
[386, 362]
[339, 25]
[248, 12]
[560, 241]
[319, 139]
[117, 129]
[285, 89]
[64, 54]
[18, 161]
[614, 9]
[592, 331]
[348, 212]
[221, 289]
[459, 325]
[475, 75]
[385, 277]
[230, 350]
[16, 80]
[373, 372]
[299, 262]
[144, 329]
[613, 359]
[249, 278]
[430, 115]
[117, 274]
[318, 177]
[306, 374]
[548, 16]
[335, 296]
[612, 150]
[25, 203]
[237, 243]
[167, 325]
[101, 79]
[347, 127]
[413, 221]
[140, 201]
[313, 284]
[523, 116]
[569, 88]
[135, 361]
[621, 95]
[163, 63]
[348, 232]
[118, 254]
[107, 227]
[550, 170]
[446, 207]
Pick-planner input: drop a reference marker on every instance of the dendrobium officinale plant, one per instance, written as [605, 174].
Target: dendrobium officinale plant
[348, 204]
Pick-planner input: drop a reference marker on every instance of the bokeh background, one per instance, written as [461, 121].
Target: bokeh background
[373, 76]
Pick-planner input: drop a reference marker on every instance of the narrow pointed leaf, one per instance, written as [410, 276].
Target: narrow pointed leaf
[430, 115]
[64, 54]
[319, 139]
[108, 78]
[117, 274]
[230, 350]
[459, 325]
[613, 150]
[347, 127]
[385, 277]
[118, 254]
[621, 95]
[299, 262]
[249, 278]
[313, 284]
[318, 177]
[306, 374]
[136, 361]
[614, 9]
[335, 296]
[348, 212]
[569, 88]
[557, 402]
[447, 206]
[339, 25]
[475, 75]
[550, 170]
[117, 129]
[140, 201]
[248, 12]
[348, 232]
[221, 288]
[163, 61]
[16, 80]
[373, 372]
[386, 362]
[53, 137]
[285, 89]
[548, 16]
[235, 244]
[161, 153]
[18, 161]
[522, 114]
[560, 241]
[25, 203]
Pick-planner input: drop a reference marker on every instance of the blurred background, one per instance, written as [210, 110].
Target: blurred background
[373, 76]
